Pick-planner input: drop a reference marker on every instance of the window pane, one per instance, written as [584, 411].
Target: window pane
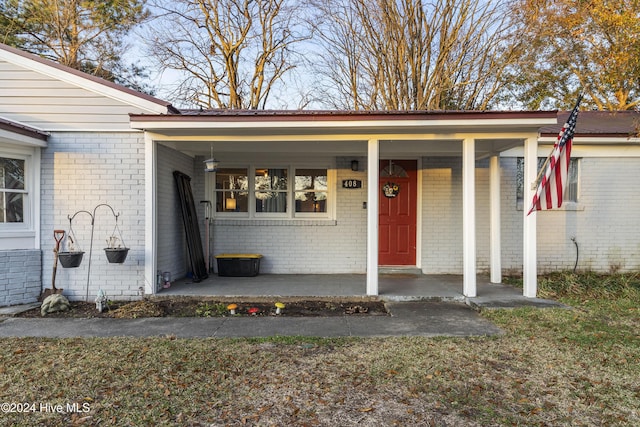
[232, 179]
[232, 201]
[271, 201]
[232, 185]
[11, 207]
[11, 174]
[315, 201]
[311, 179]
[271, 179]
[571, 188]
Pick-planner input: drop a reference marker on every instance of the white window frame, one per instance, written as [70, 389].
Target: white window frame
[330, 190]
[566, 204]
[290, 214]
[31, 158]
[212, 194]
[253, 192]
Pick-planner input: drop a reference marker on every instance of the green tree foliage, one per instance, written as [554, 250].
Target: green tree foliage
[87, 35]
[568, 46]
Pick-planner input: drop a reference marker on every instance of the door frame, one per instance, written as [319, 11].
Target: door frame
[419, 183]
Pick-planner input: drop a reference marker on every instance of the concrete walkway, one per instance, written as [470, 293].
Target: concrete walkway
[418, 306]
[406, 319]
[418, 318]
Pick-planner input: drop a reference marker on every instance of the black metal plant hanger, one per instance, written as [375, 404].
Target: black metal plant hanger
[93, 217]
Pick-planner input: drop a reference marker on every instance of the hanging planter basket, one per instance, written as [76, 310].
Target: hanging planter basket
[116, 255]
[70, 259]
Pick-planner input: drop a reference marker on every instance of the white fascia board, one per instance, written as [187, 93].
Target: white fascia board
[604, 140]
[84, 83]
[318, 137]
[158, 125]
[16, 138]
[602, 150]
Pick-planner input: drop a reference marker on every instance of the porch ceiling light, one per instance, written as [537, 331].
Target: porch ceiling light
[211, 164]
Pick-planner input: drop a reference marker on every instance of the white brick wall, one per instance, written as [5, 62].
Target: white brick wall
[605, 228]
[604, 222]
[20, 272]
[605, 225]
[441, 215]
[318, 247]
[172, 249]
[79, 172]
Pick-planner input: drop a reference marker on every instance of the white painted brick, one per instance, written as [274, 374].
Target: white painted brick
[20, 272]
[86, 170]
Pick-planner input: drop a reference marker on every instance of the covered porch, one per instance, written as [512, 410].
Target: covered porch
[343, 238]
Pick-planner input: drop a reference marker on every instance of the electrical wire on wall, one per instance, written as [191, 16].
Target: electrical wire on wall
[575, 266]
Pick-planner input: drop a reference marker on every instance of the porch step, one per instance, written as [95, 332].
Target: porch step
[400, 270]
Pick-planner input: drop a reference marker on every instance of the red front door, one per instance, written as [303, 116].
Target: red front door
[398, 212]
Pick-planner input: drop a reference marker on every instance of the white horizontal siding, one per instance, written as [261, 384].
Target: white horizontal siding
[44, 102]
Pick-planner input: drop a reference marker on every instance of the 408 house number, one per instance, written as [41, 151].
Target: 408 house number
[351, 183]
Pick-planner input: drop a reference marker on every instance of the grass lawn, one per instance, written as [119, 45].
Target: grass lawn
[552, 367]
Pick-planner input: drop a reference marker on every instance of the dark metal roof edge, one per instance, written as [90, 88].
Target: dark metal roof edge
[21, 129]
[607, 124]
[337, 115]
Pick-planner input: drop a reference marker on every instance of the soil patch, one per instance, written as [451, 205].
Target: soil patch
[199, 307]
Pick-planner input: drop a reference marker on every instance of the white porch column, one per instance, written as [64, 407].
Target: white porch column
[373, 155]
[150, 241]
[494, 208]
[529, 255]
[469, 217]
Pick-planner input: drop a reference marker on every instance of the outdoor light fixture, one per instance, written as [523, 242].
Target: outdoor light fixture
[354, 165]
[211, 164]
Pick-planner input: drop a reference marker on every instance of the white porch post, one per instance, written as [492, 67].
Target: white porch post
[529, 255]
[469, 217]
[150, 241]
[495, 244]
[373, 155]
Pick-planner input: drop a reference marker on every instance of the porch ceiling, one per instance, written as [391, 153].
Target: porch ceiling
[413, 147]
[343, 133]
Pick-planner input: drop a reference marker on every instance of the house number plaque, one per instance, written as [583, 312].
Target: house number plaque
[351, 183]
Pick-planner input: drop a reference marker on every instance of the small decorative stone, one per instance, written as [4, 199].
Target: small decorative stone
[53, 303]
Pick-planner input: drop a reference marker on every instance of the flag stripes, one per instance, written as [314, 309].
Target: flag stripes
[551, 187]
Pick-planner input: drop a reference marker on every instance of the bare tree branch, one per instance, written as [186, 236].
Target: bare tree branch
[232, 52]
[411, 54]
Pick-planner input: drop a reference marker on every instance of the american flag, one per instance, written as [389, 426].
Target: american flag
[551, 186]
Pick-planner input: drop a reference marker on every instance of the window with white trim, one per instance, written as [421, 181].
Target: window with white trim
[232, 190]
[311, 190]
[265, 191]
[13, 191]
[271, 190]
[571, 190]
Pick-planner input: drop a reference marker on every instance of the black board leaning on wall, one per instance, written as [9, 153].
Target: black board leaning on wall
[191, 228]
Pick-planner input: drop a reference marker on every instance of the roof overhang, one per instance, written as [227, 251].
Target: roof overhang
[406, 133]
[17, 133]
[304, 123]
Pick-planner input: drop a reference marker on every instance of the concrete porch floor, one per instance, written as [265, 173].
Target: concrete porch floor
[392, 287]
